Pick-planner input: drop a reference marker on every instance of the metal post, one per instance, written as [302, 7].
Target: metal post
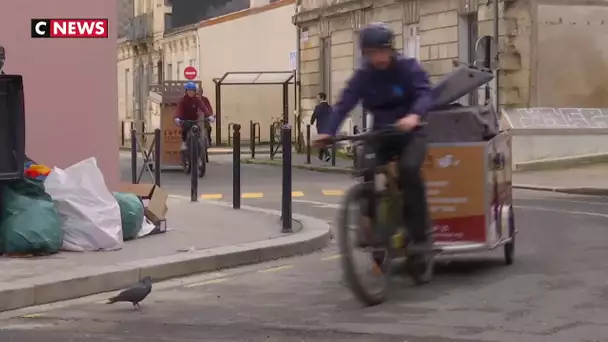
[364, 121]
[133, 156]
[236, 167]
[218, 114]
[157, 150]
[307, 144]
[286, 195]
[333, 154]
[122, 134]
[496, 36]
[194, 153]
[271, 142]
[252, 138]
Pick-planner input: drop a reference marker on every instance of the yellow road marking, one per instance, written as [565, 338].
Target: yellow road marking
[333, 192]
[297, 194]
[252, 195]
[332, 257]
[208, 282]
[212, 196]
[34, 315]
[276, 269]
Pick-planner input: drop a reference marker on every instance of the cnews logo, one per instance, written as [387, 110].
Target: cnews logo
[70, 28]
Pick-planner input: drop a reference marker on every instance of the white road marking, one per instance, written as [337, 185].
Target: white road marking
[573, 212]
[564, 200]
[318, 204]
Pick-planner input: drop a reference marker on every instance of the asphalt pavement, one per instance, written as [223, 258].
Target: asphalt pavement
[555, 291]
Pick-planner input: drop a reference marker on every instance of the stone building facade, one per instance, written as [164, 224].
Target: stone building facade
[440, 32]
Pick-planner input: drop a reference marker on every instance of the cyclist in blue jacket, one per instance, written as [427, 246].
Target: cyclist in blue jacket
[397, 91]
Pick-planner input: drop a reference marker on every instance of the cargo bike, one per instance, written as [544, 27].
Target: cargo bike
[468, 178]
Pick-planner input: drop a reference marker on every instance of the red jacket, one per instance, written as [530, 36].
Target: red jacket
[207, 103]
[188, 107]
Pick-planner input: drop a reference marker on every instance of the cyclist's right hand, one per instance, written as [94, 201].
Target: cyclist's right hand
[178, 122]
[321, 140]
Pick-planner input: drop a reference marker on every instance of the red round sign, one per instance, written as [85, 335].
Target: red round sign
[190, 73]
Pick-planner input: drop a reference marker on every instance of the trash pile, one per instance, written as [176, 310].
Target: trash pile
[72, 210]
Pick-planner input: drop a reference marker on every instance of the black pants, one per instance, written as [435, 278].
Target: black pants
[208, 128]
[185, 129]
[324, 152]
[410, 149]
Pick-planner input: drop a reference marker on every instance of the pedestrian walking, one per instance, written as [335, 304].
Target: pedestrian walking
[321, 116]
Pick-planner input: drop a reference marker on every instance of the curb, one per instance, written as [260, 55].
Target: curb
[326, 169]
[561, 163]
[563, 190]
[212, 153]
[314, 235]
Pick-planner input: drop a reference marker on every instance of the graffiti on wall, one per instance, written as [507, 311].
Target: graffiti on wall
[557, 117]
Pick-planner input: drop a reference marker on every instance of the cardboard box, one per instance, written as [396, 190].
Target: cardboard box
[154, 199]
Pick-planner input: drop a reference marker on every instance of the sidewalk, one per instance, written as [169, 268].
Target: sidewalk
[586, 180]
[343, 165]
[203, 237]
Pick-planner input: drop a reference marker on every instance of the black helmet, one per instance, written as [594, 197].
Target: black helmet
[376, 36]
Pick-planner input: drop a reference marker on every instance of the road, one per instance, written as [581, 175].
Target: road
[556, 291]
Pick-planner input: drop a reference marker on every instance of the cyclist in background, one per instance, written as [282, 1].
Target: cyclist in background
[397, 91]
[207, 122]
[188, 110]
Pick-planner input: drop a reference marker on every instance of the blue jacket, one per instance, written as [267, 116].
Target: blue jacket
[389, 95]
[321, 115]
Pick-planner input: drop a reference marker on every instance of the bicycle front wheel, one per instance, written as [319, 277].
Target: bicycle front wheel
[366, 269]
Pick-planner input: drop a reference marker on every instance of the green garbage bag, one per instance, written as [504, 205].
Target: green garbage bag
[30, 223]
[131, 214]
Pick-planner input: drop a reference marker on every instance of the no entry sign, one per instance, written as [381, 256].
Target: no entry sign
[190, 73]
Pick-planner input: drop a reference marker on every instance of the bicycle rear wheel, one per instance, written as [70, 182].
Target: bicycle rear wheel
[372, 284]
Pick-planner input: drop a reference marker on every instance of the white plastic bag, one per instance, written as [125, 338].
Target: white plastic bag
[146, 228]
[90, 214]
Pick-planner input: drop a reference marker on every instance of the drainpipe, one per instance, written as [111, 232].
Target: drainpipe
[198, 51]
[497, 76]
[298, 97]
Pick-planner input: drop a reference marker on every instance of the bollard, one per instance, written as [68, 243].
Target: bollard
[271, 143]
[307, 144]
[133, 156]
[230, 129]
[286, 194]
[157, 149]
[333, 154]
[194, 153]
[236, 167]
[252, 138]
[122, 134]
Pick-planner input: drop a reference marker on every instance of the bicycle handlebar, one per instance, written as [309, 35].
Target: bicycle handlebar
[388, 130]
[193, 121]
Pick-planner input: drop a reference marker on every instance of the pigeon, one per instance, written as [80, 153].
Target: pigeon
[134, 294]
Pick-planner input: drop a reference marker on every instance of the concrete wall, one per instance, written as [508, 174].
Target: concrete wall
[257, 39]
[572, 46]
[70, 85]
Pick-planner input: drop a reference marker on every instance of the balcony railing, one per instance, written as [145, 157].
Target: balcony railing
[142, 27]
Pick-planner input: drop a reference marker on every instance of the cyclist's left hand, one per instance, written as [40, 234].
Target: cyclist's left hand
[409, 122]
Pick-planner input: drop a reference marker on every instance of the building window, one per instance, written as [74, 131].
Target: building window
[192, 63]
[179, 70]
[411, 41]
[128, 94]
[169, 75]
